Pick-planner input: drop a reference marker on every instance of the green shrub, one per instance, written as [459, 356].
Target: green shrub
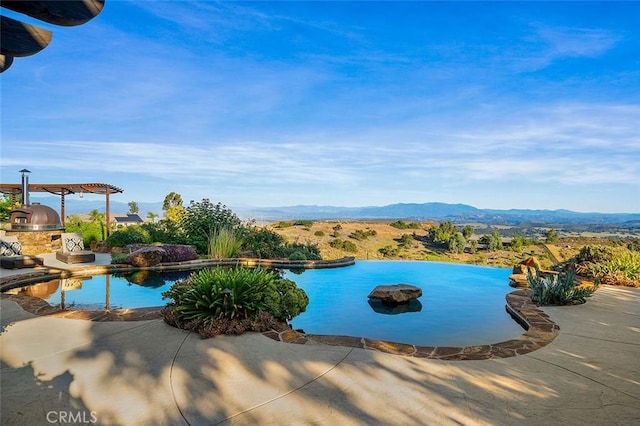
[389, 251]
[360, 235]
[203, 220]
[609, 265]
[132, 234]
[283, 224]
[263, 243]
[319, 233]
[285, 300]
[557, 289]
[297, 255]
[231, 301]
[400, 224]
[214, 293]
[305, 223]
[347, 246]
[310, 251]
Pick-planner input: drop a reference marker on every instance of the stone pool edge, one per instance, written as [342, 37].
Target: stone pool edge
[540, 330]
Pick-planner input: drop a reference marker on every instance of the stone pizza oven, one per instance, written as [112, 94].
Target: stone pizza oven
[37, 227]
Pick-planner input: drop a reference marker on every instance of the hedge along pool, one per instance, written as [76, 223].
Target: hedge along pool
[461, 305]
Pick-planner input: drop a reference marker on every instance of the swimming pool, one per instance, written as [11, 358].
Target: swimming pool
[461, 305]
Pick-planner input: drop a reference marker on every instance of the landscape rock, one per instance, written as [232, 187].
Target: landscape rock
[146, 256]
[396, 293]
[531, 263]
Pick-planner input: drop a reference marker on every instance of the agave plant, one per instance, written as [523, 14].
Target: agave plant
[557, 289]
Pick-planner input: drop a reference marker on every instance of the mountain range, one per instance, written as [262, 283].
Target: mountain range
[456, 213]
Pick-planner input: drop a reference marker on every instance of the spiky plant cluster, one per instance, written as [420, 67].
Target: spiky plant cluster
[557, 289]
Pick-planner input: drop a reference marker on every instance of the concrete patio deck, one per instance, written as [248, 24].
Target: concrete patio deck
[147, 373]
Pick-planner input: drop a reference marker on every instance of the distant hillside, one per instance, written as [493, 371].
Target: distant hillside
[457, 213]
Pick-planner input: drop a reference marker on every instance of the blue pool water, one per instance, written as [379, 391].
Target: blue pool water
[461, 305]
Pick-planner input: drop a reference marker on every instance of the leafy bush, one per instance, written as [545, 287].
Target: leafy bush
[231, 301]
[406, 240]
[557, 289]
[400, 224]
[319, 233]
[347, 246]
[283, 224]
[263, 243]
[493, 241]
[609, 265]
[305, 223]
[441, 234]
[164, 231]
[457, 243]
[90, 231]
[297, 255]
[285, 300]
[203, 220]
[310, 251]
[389, 251]
[132, 234]
[360, 235]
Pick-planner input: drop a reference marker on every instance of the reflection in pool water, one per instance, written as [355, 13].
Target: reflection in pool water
[461, 305]
[123, 290]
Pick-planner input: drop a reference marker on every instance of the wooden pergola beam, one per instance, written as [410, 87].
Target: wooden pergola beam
[63, 189]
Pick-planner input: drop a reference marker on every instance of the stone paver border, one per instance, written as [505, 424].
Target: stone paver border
[540, 329]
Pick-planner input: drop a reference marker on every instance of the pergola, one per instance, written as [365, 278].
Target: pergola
[62, 189]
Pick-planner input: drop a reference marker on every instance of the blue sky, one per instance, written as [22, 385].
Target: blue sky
[498, 105]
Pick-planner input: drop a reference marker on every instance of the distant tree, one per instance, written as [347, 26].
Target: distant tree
[493, 241]
[518, 242]
[98, 218]
[473, 246]
[552, 236]
[172, 199]
[133, 207]
[442, 233]
[457, 243]
[172, 207]
[467, 231]
[152, 217]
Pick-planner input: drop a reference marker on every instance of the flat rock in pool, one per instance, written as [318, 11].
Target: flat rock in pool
[395, 294]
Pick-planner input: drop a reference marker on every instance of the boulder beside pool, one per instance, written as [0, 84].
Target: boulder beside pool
[146, 256]
[395, 294]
